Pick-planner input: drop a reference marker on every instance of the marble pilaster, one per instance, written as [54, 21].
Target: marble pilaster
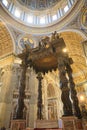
[6, 94]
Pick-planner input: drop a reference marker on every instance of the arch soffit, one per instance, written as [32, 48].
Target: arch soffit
[7, 44]
[77, 31]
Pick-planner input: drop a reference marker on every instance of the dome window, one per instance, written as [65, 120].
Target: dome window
[30, 19]
[66, 8]
[17, 13]
[54, 17]
[5, 2]
[42, 20]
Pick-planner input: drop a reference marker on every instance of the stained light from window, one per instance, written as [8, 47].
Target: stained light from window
[17, 13]
[30, 19]
[42, 20]
[5, 2]
[54, 17]
[66, 8]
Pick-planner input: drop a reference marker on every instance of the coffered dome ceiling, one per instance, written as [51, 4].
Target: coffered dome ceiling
[42, 13]
[38, 4]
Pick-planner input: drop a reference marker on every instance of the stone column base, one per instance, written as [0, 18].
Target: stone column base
[29, 128]
[84, 121]
[71, 123]
[46, 124]
[18, 124]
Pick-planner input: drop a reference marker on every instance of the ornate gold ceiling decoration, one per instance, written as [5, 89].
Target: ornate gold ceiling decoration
[75, 49]
[84, 17]
[6, 46]
[38, 4]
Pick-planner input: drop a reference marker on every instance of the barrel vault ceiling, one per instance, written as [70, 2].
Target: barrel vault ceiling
[6, 45]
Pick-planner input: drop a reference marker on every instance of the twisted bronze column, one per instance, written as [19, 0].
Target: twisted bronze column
[39, 105]
[75, 104]
[20, 107]
[67, 106]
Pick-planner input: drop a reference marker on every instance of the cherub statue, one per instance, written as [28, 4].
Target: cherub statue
[45, 41]
[56, 35]
[53, 37]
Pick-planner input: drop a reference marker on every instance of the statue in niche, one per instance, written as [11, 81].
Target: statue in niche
[51, 115]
